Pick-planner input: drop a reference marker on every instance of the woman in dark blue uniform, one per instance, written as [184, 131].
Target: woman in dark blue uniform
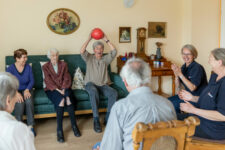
[210, 107]
[191, 76]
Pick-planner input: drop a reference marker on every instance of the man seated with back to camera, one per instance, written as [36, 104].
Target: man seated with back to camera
[141, 105]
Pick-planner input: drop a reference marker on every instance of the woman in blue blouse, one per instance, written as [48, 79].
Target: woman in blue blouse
[191, 76]
[23, 73]
[210, 107]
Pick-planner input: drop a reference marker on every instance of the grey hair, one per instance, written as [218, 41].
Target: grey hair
[219, 54]
[52, 50]
[136, 72]
[9, 86]
[95, 44]
[192, 49]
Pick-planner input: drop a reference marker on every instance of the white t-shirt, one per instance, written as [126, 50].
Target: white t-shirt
[14, 135]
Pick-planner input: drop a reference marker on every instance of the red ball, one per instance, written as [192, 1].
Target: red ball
[97, 34]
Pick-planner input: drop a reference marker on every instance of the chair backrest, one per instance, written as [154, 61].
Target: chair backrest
[157, 136]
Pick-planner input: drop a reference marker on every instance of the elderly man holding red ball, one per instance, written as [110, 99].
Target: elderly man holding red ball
[97, 78]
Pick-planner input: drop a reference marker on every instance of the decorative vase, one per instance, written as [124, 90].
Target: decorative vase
[158, 53]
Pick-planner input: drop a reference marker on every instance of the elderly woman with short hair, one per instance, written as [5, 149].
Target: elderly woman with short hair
[24, 74]
[191, 76]
[58, 84]
[210, 106]
[14, 135]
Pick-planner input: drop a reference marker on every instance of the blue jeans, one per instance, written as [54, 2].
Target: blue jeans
[28, 104]
[93, 91]
[96, 145]
[176, 102]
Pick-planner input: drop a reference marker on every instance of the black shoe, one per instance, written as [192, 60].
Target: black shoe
[105, 122]
[60, 136]
[97, 126]
[76, 131]
[33, 131]
[106, 118]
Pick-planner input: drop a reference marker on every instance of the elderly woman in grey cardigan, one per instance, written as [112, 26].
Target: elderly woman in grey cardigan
[14, 135]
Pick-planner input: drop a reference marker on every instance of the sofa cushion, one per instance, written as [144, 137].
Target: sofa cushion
[80, 95]
[42, 105]
[78, 80]
[44, 109]
[120, 91]
[86, 105]
[40, 97]
[43, 75]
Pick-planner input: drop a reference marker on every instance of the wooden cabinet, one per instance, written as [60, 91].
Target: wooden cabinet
[157, 71]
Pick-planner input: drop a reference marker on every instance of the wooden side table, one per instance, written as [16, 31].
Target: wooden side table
[159, 71]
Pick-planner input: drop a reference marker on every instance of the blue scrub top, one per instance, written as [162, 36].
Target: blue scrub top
[195, 73]
[213, 98]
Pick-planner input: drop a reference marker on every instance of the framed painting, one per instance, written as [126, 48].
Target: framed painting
[124, 34]
[156, 29]
[63, 21]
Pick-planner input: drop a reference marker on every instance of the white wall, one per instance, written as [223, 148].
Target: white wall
[23, 25]
[222, 26]
[205, 29]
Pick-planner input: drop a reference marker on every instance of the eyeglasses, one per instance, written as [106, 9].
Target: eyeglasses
[186, 54]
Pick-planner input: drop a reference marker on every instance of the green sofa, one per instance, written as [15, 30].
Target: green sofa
[42, 105]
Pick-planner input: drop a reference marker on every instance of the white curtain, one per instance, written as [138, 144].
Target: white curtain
[222, 34]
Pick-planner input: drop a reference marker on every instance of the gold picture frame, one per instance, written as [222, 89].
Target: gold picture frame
[156, 29]
[63, 21]
[124, 34]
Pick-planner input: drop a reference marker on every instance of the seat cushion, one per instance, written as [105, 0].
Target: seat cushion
[121, 93]
[80, 95]
[86, 105]
[44, 109]
[40, 97]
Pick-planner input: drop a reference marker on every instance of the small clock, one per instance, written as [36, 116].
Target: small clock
[141, 32]
[141, 36]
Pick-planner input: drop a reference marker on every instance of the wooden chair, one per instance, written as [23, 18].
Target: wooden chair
[197, 143]
[164, 135]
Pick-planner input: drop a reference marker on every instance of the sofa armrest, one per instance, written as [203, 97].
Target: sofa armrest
[117, 80]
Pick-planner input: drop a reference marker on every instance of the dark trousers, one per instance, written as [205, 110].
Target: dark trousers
[56, 98]
[93, 91]
[28, 104]
[176, 102]
[198, 130]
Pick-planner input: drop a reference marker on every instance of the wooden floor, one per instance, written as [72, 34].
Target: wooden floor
[46, 134]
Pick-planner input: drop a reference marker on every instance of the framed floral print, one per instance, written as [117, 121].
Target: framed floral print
[63, 21]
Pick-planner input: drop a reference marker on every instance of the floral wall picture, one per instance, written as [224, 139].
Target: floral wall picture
[63, 21]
